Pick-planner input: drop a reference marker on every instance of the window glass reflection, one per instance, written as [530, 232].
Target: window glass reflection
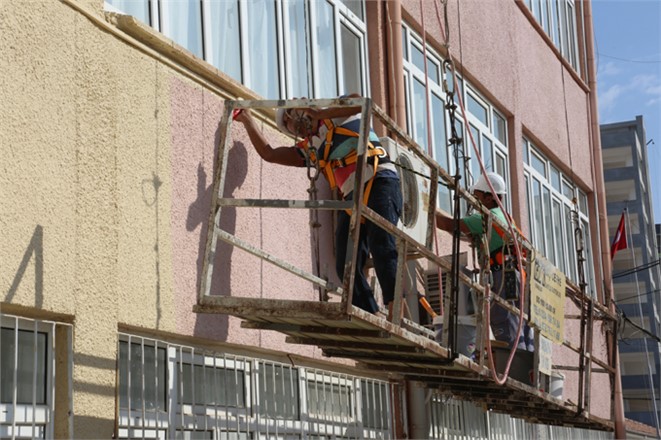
[183, 24]
[224, 47]
[263, 49]
[355, 6]
[478, 110]
[28, 353]
[419, 112]
[351, 61]
[297, 50]
[325, 50]
[136, 8]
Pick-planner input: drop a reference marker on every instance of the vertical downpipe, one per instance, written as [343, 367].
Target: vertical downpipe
[620, 431]
[415, 394]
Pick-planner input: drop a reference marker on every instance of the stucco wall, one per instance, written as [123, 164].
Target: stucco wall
[107, 166]
[193, 128]
[497, 49]
[106, 181]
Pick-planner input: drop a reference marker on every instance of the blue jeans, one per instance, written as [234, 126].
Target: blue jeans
[503, 323]
[386, 200]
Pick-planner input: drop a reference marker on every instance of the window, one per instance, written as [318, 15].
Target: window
[636, 363]
[554, 216]
[278, 391]
[167, 390]
[375, 404]
[27, 376]
[223, 39]
[487, 126]
[181, 22]
[618, 190]
[278, 48]
[416, 105]
[260, 49]
[330, 398]
[558, 19]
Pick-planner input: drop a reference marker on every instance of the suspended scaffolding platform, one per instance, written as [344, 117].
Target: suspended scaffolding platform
[397, 346]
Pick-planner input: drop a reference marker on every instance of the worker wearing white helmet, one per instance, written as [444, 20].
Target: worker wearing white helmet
[504, 324]
[497, 182]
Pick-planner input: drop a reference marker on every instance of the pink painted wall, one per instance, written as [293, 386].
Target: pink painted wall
[195, 115]
[502, 55]
[499, 52]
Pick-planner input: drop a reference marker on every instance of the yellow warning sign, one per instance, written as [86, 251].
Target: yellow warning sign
[547, 298]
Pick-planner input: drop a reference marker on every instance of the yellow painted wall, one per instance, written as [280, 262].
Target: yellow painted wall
[92, 221]
[107, 163]
[80, 218]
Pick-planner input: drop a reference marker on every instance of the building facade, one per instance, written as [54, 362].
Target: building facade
[110, 119]
[636, 284]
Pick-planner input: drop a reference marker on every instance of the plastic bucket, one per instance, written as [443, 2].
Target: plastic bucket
[466, 335]
[466, 330]
[522, 363]
[438, 328]
[557, 384]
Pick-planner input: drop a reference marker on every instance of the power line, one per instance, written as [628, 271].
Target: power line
[629, 60]
[633, 270]
[636, 296]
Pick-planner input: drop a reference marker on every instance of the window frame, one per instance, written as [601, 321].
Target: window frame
[499, 153]
[185, 418]
[564, 246]
[342, 15]
[33, 420]
[558, 20]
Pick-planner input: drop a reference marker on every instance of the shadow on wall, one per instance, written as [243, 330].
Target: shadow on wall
[36, 249]
[156, 183]
[210, 325]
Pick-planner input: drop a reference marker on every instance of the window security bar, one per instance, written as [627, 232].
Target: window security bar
[27, 376]
[167, 390]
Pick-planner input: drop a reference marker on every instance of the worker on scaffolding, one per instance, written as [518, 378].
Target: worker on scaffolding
[504, 324]
[329, 139]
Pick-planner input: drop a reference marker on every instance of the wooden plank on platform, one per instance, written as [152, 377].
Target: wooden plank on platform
[264, 308]
[405, 358]
[335, 331]
[355, 345]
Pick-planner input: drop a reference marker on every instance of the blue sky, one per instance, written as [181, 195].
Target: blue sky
[628, 46]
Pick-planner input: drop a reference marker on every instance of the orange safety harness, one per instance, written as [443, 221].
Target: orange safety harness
[328, 166]
[497, 257]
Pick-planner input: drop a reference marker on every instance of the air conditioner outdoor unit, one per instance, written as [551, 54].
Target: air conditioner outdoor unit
[414, 178]
[467, 301]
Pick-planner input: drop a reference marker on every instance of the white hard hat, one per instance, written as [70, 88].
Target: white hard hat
[280, 121]
[497, 182]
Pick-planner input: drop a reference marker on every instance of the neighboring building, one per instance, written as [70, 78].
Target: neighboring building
[109, 140]
[636, 293]
[658, 239]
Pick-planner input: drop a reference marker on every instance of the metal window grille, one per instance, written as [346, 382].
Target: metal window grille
[452, 419]
[167, 390]
[27, 377]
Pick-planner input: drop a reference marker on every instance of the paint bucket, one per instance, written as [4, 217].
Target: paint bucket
[466, 335]
[438, 328]
[466, 330]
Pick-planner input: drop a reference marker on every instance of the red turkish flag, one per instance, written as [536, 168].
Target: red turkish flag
[620, 239]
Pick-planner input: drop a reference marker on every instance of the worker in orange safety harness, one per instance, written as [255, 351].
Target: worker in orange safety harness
[330, 137]
[505, 281]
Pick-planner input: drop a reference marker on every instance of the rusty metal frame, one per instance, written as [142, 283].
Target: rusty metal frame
[207, 303]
